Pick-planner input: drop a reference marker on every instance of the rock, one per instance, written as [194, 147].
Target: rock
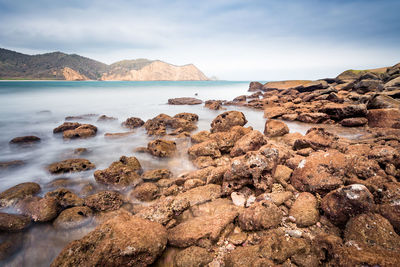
[385, 155]
[155, 175]
[4, 165]
[39, 209]
[193, 257]
[274, 128]
[273, 112]
[255, 86]
[122, 241]
[343, 203]
[70, 165]
[384, 118]
[383, 101]
[261, 215]
[316, 138]
[200, 137]
[320, 172]
[25, 140]
[145, 192]
[204, 149]
[393, 82]
[314, 117]
[283, 85]
[157, 125]
[278, 198]
[13, 222]
[225, 121]
[81, 117]
[17, 193]
[117, 135]
[338, 112]
[192, 183]
[282, 173]
[249, 142]
[354, 122]
[120, 173]
[247, 256]
[240, 98]
[213, 104]
[227, 140]
[104, 118]
[305, 210]
[368, 85]
[162, 148]
[81, 151]
[238, 199]
[311, 86]
[187, 116]
[133, 122]
[201, 194]
[9, 245]
[65, 198]
[73, 218]
[66, 126]
[104, 200]
[83, 131]
[184, 101]
[391, 211]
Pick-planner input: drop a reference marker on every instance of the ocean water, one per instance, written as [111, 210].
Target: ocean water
[37, 107]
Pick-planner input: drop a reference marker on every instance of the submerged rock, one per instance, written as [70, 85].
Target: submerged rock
[17, 193]
[25, 140]
[66, 126]
[13, 222]
[104, 118]
[83, 131]
[184, 101]
[73, 218]
[70, 165]
[133, 122]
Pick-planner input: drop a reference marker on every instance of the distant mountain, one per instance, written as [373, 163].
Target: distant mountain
[61, 66]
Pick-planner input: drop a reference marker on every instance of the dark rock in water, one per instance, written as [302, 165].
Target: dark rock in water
[73, 218]
[9, 245]
[39, 209]
[225, 121]
[66, 126]
[184, 101]
[25, 140]
[261, 215]
[255, 86]
[182, 122]
[13, 222]
[274, 128]
[384, 118]
[193, 256]
[354, 122]
[213, 104]
[145, 192]
[65, 198]
[83, 131]
[81, 151]
[133, 122]
[187, 116]
[104, 118]
[104, 200]
[81, 117]
[305, 210]
[120, 173]
[155, 175]
[17, 193]
[250, 142]
[70, 165]
[135, 242]
[162, 148]
[11, 164]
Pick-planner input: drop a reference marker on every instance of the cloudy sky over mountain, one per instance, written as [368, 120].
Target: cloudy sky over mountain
[234, 40]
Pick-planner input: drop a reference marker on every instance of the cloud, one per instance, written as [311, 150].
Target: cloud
[230, 39]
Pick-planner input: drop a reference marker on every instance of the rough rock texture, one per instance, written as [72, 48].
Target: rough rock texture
[384, 118]
[305, 210]
[70, 165]
[65, 197]
[73, 218]
[18, 192]
[207, 148]
[249, 142]
[201, 194]
[145, 192]
[104, 200]
[274, 128]
[39, 209]
[25, 140]
[13, 222]
[261, 215]
[155, 175]
[193, 257]
[225, 121]
[133, 123]
[354, 122]
[255, 86]
[66, 126]
[316, 138]
[83, 131]
[184, 101]
[162, 148]
[122, 241]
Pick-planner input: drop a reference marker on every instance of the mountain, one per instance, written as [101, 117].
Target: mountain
[61, 66]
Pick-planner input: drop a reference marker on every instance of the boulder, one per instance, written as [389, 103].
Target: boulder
[249, 142]
[384, 100]
[155, 175]
[104, 200]
[65, 197]
[338, 112]
[274, 112]
[25, 139]
[201, 194]
[316, 138]
[193, 257]
[66, 126]
[368, 85]
[314, 117]
[249, 255]
[213, 104]
[206, 148]
[261, 215]
[133, 122]
[145, 192]
[157, 125]
[39, 209]
[354, 122]
[162, 148]
[305, 210]
[83, 131]
[13, 222]
[18, 192]
[184, 101]
[311, 86]
[120, 173]
[274, 128]
[255, 86]
[240, 98]
[225, 121]
[121, 241]
[384, 118]
[70, 165]
[200, 137]
[283, 85]
[73, 218]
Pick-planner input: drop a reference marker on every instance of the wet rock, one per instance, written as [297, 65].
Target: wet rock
[73, 218]
[104, 200]
[314, 117]
[192, 117]
[384, 118]
[249, 142]
[70, 165]
[117, 135]
[162, 148]
[184, 101]
[343, 203]
[25, 140]
[213, 104]
[135, 242]
[4, 165]
[225, 121]
[65, 198]
[207, 148]
[18, 192]
[320, 172]
[81, 117]
[273, 112]
[342, 111]
[316, 138]
[133, 122]
[305, 210]
[255, 86]
[66, 126]
[145, 192]
[39, 209]
[354, 122]
[120, 173]
[81, 151]
[311, 86]
[240, 98]
[261, 215]
[155, 175]
[200, 137]
[83, 131]
[274, 128]
[193, 257]
[13, 222]
[104, 118]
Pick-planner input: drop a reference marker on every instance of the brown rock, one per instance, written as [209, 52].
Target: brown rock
[4, 165]
[187, 116]
[384, 118]
[273, 112]
[201, 194]
[315, 117]
[200, 137]
[162, 148]
[249, 142]
[25, 140]
[104, 118]
[207, 148]
[39, 209]
[316, 138]
[305, 210]
[338, 111]
[18, 192]
[13, 222]
[193, 257]
[255, 86]
[354, 122]
[65, 198]
[145, 192]
[83, 131]
[155, 175]
[282, 173]
[70, 165]
[225, 121]
[73, 218]
[213, 104]
[274, 128]
[122, 241]
[104, 200]
[117, 135]
[311, 86]
[247, 256]
[66, 126]
[184, 101]
[261, 215]
[133, 122]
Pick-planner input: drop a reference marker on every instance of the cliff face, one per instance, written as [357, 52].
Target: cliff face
[156, 71]
[72, 75]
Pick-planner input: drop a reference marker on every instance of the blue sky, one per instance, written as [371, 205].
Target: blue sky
[233, 40]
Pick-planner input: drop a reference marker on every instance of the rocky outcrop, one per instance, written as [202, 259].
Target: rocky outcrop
[70, 165]
[184, 101]
[73, 75]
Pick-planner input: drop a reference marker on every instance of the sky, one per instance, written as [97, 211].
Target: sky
[231, 40]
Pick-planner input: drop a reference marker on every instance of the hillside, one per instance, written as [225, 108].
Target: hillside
[61, 66]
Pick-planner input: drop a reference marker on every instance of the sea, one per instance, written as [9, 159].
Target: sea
[37, 107]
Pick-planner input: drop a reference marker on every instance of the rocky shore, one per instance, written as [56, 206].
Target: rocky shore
[271, 198]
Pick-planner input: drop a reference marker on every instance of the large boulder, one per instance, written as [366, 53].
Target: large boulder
[83, 131]
[311, 86]
[122, 241]
[18, 192]
[13, 222]
[341, 111]
[70, 165]
[249, 142]
[225, 121]
[39, 209]
[162, 148]
[305, 210]
[184, 101]
[384, 118]
[133, 122]
[274, 128]
[261, 215]
[73, 218]
[255, 86]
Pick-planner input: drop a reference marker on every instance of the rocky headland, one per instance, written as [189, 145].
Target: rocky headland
[271, 198]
